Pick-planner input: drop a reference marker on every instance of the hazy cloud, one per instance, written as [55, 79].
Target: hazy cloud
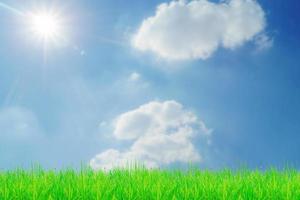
[134, 76]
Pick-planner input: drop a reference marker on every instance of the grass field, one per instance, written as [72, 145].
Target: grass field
[149, 184]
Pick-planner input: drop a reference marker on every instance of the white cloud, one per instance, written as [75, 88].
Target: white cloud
[182, 30]
[162, 134]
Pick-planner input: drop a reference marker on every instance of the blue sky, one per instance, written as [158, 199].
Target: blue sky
[121, 86]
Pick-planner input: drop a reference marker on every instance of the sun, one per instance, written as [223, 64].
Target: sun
[46, 26]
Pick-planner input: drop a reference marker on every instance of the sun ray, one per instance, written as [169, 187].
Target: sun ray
[10, 8]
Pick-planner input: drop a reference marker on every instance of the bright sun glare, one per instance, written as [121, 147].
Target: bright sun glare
[45, 25]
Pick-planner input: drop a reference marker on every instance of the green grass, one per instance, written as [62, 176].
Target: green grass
[149, 184]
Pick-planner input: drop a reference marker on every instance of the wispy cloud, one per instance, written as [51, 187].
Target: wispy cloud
[264, 42]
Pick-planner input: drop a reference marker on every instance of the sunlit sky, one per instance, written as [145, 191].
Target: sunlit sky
[164, 83]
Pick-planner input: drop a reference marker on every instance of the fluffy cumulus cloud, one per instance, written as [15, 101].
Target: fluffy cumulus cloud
[195, 29]
[161, 134]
